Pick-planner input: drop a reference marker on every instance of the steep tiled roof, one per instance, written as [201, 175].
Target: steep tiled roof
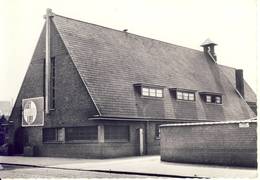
[110, 62]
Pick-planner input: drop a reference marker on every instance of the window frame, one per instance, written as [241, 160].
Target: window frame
[208, 99]
[153, 90]
[52, 83]
[213, 96]
[56, 139]
[179, 95]
[81, 140]
[220, 99]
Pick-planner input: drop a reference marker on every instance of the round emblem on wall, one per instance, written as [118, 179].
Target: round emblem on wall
[29, 112]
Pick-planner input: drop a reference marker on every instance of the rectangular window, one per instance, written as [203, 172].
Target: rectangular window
[53, 134]
[116, 133]
[208, 99]
[159, 93]
[211, 97]
[218, 100]
[152, 92]
[187, 96]
[52, 83]
[81, 133]
[145, 91]
[179, 95]
[191, 97]
[49, 134]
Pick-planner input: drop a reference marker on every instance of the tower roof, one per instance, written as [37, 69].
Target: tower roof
[207, 42]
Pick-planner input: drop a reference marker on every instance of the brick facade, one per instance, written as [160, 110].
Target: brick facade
[73, 107]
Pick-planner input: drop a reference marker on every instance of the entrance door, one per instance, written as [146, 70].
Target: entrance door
[140, 136]
[20, 140]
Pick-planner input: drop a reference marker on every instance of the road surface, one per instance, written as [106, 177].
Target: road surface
[12, 171]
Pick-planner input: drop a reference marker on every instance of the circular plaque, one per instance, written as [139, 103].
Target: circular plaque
[29, 112]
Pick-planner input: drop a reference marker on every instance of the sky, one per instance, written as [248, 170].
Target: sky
[229, 23]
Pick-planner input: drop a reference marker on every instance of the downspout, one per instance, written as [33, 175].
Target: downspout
[48, 16]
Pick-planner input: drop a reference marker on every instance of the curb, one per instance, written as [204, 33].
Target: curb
[106, 171]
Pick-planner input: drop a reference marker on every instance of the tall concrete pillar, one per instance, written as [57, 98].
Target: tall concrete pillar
[101, 134]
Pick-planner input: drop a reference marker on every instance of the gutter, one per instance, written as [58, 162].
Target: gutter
[252, 120]
[117, 118]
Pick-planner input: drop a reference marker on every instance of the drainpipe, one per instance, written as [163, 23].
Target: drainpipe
[48, 16]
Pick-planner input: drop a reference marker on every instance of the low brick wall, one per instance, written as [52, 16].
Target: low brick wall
[222, 143]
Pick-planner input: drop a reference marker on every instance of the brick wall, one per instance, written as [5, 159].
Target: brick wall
[96, 149]
[73, 103]
[222, 144]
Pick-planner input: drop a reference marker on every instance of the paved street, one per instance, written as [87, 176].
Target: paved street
[10, 171]
[140, 165]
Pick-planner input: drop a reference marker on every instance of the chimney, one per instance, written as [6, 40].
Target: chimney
[209, 49]
[240, 82]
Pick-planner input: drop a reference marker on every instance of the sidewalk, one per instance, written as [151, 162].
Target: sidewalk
[139, 165]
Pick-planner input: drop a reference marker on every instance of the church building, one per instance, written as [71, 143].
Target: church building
[95, 92]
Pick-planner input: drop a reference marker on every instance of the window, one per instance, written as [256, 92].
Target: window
[81, 133]
[218, 100]
[157, 131]
[208, 99]
[191, 96]
[152, 92]
[53, 134]
[145, 91]
[185, 95]
[116, 133]
[179, 95]
[159, 93]
[213, 98]
[52, 83]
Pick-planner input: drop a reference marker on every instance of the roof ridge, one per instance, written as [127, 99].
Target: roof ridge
[130, 33]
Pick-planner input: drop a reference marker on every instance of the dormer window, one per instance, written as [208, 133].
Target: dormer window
[208, 98]
[211, 97]
[147, 90]
[217, 99]
[152, 92]
[183, 94]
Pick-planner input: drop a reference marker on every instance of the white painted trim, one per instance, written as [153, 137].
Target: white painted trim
[253, 120]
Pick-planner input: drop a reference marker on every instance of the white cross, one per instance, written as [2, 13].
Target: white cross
[29, 114]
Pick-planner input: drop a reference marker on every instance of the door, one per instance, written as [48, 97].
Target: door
[20, 139]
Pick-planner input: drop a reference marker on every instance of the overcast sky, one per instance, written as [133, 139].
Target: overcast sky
[229, 23]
